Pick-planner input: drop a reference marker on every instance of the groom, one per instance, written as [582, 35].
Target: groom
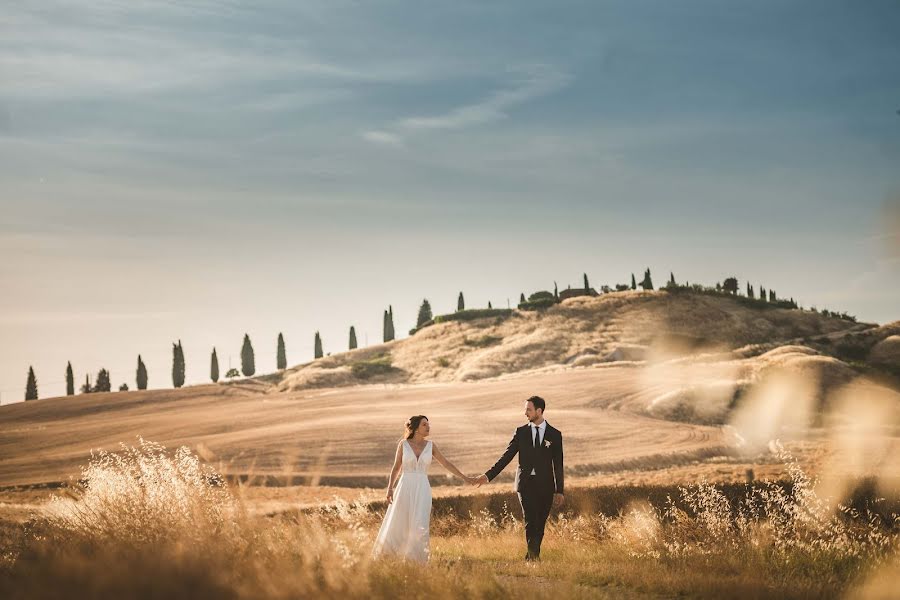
[539, 477]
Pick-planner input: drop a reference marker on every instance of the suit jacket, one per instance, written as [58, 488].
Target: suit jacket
[547, 461]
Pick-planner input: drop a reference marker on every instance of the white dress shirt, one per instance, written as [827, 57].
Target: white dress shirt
[542, 428]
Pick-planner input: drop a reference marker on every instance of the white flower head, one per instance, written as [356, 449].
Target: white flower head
[547, 443]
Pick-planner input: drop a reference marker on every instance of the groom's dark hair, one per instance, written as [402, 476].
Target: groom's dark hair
[538, 402]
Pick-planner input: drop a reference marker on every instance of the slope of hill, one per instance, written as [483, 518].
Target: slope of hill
[577, 332]
[643, 379]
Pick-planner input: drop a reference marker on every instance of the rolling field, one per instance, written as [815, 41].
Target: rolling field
[346, 436]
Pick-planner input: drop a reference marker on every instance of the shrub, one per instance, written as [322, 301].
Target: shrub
[377, 365]
[483, 342]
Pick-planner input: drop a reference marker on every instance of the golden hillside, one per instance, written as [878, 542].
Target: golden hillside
[633, 325]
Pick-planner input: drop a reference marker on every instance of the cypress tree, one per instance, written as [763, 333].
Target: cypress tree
[282, 355]
[587, 286]
[353, 338]
[772, 296]
[555, 292]
[248, 363]
[31, 391]
[318, 346]
[672, 279]
[389, 324]
[70, 381]
[214, 366]
[522, 298]
[86, 387]
[384, 322]
[633, 282]
[460, 302]
[103, 384]
[425, 313]
[762, 293]
[141, 374]
[177, 365]
[489, 305]
[647, 283]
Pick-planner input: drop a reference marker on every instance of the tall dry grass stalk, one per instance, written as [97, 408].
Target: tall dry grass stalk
[149, 523]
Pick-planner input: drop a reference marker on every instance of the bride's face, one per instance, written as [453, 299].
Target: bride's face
[424, 428]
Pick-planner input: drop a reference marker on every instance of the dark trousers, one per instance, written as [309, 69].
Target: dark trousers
[536, 500]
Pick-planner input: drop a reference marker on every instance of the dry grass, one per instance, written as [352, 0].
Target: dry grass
[580, 331]
[148, 523]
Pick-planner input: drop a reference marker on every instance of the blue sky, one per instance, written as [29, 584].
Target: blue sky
[198, 170]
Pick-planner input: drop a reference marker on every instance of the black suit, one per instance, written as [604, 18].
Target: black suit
[535, 491]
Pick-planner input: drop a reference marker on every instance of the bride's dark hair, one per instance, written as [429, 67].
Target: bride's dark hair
[412, 424]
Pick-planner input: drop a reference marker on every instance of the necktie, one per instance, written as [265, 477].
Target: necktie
[537, 437]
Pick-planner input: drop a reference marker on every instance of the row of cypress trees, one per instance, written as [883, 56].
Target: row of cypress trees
[248, 362]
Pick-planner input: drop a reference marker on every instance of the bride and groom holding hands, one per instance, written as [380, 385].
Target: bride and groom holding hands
[539, 483]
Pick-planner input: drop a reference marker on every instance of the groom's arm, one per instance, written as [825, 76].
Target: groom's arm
[558, 465]
[501, 463]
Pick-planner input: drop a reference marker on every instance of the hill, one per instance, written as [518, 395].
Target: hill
[579, 331]
[636, 380]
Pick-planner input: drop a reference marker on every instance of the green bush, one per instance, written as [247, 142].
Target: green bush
[539, 304]
[474, 313]
[377, 365]
[542, 295]
[483, 342]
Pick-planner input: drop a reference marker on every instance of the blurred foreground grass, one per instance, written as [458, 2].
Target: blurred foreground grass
[149, 523]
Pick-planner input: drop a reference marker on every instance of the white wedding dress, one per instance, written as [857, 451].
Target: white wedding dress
[405, 529]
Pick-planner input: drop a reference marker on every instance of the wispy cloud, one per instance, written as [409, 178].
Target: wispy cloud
[534, 82]
[383, 137]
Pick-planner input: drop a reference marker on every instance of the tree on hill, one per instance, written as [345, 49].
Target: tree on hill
[103, 384]
[772, 296]
[731, 285]
[587, 285]
[214, 366]
[424, 313]
[248, 360]
[123, 387]
[460, 302]
[177, 365]
[281, 362]
[232, 373]
[555, 292]
[489, 305]
[672, 279]
[647, 283]
[762, 293]
[70, 381]
[633, 282]
[317, 346]
[521, 297]
[389, 324]
[352, 338]
[750, 293]
[141, 376]
[31, 390]
[86, 386]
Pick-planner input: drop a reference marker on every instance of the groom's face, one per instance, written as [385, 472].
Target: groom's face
[532, 413]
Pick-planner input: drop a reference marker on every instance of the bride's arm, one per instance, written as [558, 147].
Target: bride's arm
[395, 470]
[447, 464]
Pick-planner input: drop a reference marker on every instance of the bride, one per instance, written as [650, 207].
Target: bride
[405, 529]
